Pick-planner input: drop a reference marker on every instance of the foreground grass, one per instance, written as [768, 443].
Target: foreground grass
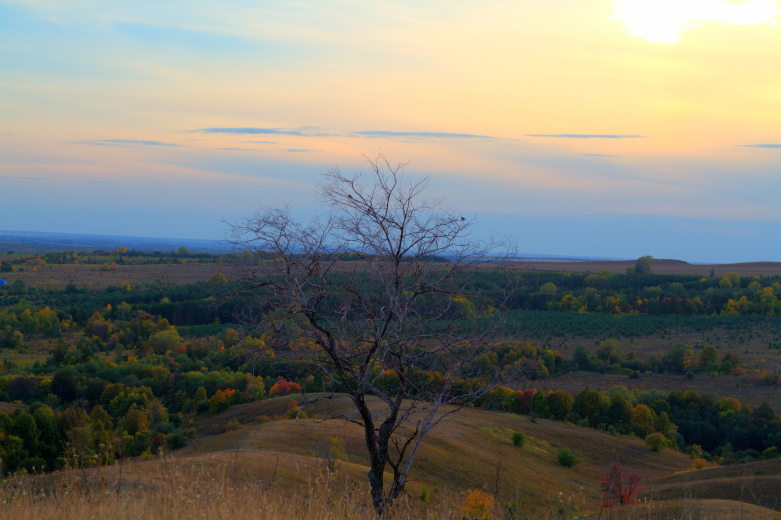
[206, 494]
[323, 498]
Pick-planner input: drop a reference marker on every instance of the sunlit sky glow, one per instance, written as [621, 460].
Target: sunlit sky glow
[664, 21]
[600, 128]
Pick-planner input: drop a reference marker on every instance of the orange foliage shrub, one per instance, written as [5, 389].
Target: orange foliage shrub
[698, 464]
[283, 387]
[478, 505]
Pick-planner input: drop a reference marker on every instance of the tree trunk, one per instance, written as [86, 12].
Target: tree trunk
[377, 456]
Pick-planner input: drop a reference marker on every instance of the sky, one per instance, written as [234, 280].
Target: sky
[583, 128]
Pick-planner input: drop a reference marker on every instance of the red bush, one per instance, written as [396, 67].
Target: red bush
[283, 387]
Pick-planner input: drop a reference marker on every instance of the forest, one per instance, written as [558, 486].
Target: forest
[122, 371]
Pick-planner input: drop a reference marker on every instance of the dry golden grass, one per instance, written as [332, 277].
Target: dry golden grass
[181, 490]
[757, 483]
[464, 453]
[199, 494]
[691, 510]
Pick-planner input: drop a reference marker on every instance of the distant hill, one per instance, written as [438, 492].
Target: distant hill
[36, 242]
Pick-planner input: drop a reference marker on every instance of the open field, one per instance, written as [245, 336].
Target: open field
[91, 276]
[660, 267]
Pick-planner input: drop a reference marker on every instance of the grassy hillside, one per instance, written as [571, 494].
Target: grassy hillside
[757, 483]
[278, 460]
[465, 452]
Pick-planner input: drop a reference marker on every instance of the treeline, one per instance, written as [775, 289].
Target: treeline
[184, 305]
[654, 294]
[679, 359]
[703, 425]
[126, 382]
[21, 261]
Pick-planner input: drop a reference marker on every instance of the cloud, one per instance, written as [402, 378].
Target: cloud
[314, 131]
[589, 136]
[123, 142]
[300, 150]
[306, 131]
[436, 135]
[22, 178]
[599, 155]
[8, 134]
[663, 21]
[236, 149]
[100, 182]
[760, 145]
[260, 142]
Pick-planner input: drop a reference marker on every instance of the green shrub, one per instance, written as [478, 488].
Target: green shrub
[176, 441]
[657, 442]
[567, 458]
[519, 439]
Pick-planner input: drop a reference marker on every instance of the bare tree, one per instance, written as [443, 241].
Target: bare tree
[374, 297]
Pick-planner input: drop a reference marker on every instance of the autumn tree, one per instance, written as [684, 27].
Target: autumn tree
[618, 490]
[375, 288]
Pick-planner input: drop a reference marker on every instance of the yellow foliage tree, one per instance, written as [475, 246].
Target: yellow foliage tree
[337, 453]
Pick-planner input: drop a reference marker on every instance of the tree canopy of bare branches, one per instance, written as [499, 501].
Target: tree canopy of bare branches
[375, 291]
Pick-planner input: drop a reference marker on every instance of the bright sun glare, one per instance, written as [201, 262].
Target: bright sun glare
[664, 21]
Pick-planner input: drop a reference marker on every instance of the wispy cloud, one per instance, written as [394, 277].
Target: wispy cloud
[760, 145]
[260, 142]
[314, 131]
[123, 142]
[8, 134]
[100, 182]
[599, 155]
[589, 136]
[300, 150]
[436, 135]
[306, 131]
[237, 149]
